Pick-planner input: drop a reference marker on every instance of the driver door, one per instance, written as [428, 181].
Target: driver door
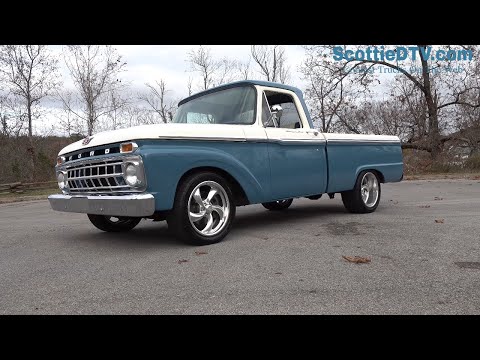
[296, 152]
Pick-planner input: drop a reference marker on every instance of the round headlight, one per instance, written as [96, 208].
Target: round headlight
[131, 175]
[61, 181]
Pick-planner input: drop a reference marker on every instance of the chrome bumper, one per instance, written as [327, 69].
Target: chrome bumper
[128, 205]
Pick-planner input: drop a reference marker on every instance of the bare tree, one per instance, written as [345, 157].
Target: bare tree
[13, 116]
[117, 102]
[95, 71]
[30, 73]
[439, 90]
[244, 69]
[213, 72]
[4, 117]
[201, 61]
[156, 98]
[189, 85]
[272, 62]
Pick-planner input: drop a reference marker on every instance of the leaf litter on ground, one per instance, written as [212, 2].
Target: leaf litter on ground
[357, 259]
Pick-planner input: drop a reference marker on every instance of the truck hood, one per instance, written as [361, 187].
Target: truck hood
[160, 131]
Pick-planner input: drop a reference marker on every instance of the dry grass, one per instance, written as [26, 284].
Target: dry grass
[441, 176]
[28, 195]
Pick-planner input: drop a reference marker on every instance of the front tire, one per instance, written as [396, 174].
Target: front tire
[365, 196]
[113, 223]
[278, 205]
[203, 210]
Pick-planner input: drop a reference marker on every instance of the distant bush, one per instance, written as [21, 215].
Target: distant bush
[15, 157]
[473, 162]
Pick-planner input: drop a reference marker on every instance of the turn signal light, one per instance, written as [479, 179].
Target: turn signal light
[128, 147]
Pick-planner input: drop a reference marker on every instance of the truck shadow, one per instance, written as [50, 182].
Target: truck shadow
[146, 235]
[150, 234]
[295, 214]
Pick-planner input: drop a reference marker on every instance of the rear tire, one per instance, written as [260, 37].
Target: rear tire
[278, 205]
[365, 196]
[113, 223]
[203, 210]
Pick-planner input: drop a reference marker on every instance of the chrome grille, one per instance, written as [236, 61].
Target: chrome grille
[97, 176]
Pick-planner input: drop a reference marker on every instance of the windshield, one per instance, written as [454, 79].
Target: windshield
[230, 106]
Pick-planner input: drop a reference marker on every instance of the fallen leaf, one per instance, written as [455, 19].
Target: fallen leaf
[424, 206]
[201, 253]
[437, 198]
[182, 261]
[439, 221]
[357, 259]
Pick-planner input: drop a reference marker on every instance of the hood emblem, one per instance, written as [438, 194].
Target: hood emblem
[87, 140]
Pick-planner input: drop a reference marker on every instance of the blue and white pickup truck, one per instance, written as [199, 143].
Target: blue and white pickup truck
[243, 143]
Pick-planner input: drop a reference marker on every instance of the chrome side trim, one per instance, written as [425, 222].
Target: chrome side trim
[202, 138]
[297, 141]
[289, 141]
[362, 141]
[128, 205]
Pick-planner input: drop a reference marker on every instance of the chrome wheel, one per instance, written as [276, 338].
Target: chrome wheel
[208, 208]
[369, 189]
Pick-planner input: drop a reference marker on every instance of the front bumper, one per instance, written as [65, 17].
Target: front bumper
[137, 205]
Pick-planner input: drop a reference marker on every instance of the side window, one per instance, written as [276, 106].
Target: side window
[287, 118]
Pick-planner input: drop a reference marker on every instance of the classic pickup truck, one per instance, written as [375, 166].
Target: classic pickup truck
[242, 143]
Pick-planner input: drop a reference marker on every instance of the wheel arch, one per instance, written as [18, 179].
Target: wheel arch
[377, 172]
[239, 194]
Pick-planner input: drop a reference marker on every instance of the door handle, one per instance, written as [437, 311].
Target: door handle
[314, 132]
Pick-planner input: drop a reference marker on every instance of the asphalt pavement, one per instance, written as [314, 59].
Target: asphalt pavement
[423, 243]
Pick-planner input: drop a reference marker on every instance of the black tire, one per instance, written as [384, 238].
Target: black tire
[108, 223]
[278, 205]
[179, 220]
[353, 201]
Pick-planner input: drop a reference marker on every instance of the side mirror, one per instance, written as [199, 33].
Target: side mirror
[277, 110]
[275, 115]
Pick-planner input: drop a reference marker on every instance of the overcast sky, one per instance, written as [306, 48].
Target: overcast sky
[147, 63]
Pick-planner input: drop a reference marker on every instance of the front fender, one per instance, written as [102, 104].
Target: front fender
[165, 164]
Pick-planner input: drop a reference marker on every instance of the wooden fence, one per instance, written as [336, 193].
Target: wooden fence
[19, 187]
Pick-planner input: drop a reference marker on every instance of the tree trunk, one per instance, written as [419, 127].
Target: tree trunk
[31, 146]
[433, 129]
[4, 125]
[91, 120]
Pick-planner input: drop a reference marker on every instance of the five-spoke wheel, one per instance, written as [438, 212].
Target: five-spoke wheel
[203, 209]
[365, 196]
[208, 208]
